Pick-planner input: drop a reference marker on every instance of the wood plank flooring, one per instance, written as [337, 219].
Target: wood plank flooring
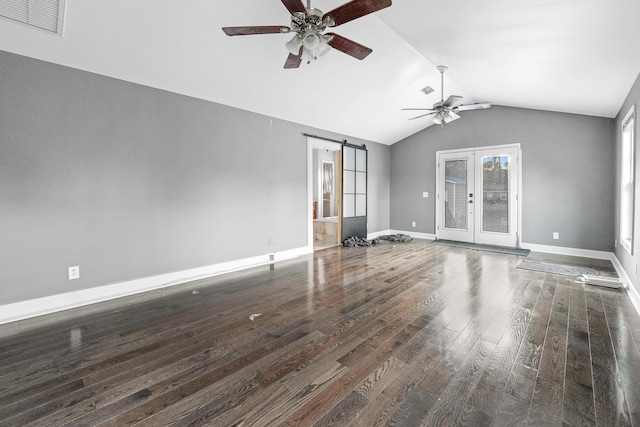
[398, 334]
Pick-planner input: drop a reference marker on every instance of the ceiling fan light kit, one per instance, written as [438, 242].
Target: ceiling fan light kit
[309, 24]
[446, 111]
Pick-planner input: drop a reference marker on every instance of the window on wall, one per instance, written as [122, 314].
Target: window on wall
[627, 183]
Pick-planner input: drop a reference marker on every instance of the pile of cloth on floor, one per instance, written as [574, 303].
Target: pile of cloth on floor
[357, 242]
[396, 237]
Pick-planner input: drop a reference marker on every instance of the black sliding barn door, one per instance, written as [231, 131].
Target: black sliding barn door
[354, 191]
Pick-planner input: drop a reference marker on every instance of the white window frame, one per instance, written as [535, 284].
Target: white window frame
[627, 180]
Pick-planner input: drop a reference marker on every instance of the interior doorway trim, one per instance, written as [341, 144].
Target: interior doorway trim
[518, 201]
[314, 143]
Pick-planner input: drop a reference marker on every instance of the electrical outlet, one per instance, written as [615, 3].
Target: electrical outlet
[413, 224]
[425, 194]
[556, 235]
[74, 272]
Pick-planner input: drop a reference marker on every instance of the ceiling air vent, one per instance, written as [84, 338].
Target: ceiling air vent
[43, 14]
[427, 90]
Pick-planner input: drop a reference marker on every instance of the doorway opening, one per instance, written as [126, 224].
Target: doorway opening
[324, 193]
[478, 195]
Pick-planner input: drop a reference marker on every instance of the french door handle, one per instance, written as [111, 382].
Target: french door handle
[470, 194]
[470, 201]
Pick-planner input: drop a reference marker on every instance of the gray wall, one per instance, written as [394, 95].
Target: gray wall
[567, 173]
[378, 187]
[627, 260]
[128, 181]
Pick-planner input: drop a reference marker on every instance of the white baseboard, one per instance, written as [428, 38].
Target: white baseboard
[413, 234]
[372, 236]
[633, 293]
[560, 250]
[54, 303]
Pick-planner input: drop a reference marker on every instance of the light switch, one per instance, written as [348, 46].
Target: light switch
[425, 194]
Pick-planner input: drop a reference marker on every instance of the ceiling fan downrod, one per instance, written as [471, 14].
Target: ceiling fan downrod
[442, 69]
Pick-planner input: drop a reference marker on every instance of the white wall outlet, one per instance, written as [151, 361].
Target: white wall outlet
[413, 224]
[74, 272]
[556, 235]
[425, 194]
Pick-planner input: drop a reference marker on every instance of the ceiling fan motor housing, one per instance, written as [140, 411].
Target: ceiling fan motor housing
[308, 28]
[301, 23]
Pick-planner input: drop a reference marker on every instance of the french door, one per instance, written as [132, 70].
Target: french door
[477, 200]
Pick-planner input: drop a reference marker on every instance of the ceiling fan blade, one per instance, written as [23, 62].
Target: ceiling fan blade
[352, 10]
[347, 46]
[423, 115]
[294, 61]
[252, 30]
[452, 100]
[294, 6]
[468, 107]
[418, 109]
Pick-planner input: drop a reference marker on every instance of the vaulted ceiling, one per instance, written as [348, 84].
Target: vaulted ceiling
[575, 56]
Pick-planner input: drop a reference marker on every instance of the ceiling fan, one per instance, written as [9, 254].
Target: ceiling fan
[446, 111]
[308, 24]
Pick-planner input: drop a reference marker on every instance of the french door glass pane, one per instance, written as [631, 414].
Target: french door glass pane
[348, 205]
[495, 194]
[455, 203]
[361, 205]
[349, 159]
[349, 181]
[361, 182]
[361, 160]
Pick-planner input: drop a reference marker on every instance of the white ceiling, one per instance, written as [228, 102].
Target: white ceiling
[576, 56]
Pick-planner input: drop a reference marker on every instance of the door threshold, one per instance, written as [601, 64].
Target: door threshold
[488, 248]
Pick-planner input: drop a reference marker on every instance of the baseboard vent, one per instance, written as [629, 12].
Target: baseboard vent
[42, 14]
[609, 282]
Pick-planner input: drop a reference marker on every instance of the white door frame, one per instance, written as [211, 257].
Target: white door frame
[518, 195]
[460, 234]
[312, 144]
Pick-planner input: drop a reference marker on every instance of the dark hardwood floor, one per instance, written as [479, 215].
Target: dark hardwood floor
[399, 334]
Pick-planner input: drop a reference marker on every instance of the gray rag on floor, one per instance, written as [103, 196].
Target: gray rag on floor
[357, 242]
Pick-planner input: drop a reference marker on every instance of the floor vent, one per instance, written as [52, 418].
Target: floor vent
[43, 14]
